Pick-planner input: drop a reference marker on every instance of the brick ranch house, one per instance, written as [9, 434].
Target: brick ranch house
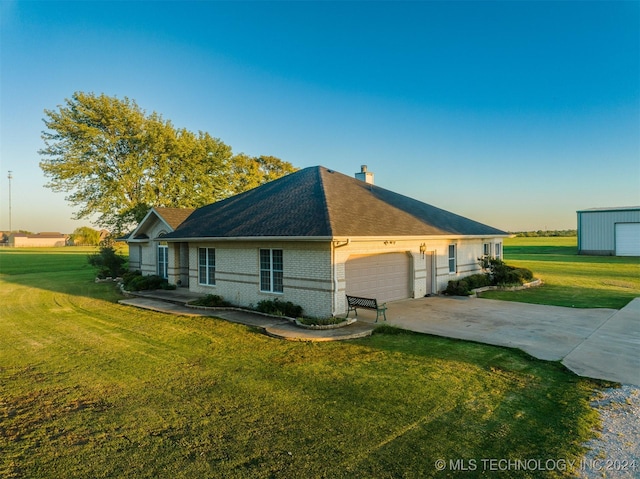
[310, 238]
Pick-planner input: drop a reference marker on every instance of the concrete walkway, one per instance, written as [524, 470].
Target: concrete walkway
[613, 350]
[597, 343]
[166, 302]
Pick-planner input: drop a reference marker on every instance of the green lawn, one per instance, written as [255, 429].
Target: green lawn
[91, 389]
[571, 279]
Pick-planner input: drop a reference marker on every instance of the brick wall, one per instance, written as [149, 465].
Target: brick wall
[306, 275]
[314, 272]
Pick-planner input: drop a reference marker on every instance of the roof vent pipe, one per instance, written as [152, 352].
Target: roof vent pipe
[365, 175]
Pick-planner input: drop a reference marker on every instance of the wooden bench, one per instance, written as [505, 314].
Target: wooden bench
[356, 302]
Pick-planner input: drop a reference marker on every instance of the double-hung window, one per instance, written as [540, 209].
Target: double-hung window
[271, 269]
[498, 249]
[452, 258]
[163, 260]
[207, 266]
[486, 251]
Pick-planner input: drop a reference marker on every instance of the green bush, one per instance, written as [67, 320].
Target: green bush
[107, 262]
[211, 301]
[322, 321]
[463, 287]
[458, 287]
[129, 275]
[502, 274]
[134, 281]
[280, 308]
[525, 274]
[499, 274]
[478, 280]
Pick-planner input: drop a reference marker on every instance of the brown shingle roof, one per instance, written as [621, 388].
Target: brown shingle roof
[318, 202]
[174, 216]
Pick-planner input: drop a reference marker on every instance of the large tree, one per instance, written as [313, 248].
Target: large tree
[117, 161]
[85, 236]
[249, 172]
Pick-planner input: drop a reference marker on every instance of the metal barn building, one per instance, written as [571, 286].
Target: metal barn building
[609, 231]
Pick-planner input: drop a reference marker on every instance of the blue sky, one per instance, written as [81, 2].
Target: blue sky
[515, 114]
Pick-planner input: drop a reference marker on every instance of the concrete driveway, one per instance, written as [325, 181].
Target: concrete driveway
[597, 343]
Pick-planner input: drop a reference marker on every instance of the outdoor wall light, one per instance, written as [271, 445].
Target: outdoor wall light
[423, 249]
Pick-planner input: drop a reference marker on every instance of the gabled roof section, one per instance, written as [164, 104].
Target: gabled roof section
[172, 217]
[357, 208]
[293, 205]
[322, 203]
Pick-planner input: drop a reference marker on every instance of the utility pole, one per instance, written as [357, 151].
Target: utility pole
[10, 176]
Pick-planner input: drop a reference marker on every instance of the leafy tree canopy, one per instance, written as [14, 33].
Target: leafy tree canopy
[117, 161]
[85, 236]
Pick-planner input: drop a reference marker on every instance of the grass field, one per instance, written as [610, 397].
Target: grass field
[90, 388]
[570, 279]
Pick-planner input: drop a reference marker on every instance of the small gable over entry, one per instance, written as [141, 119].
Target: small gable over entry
[148, 251]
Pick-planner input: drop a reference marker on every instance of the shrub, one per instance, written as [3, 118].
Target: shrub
[107, 262]
[211, 301]
[458, 287]
[499, 274]
[129, 276]
[525, 274]
[279, 308]
[478, 280]
[322, 321]
[503, 274]
[134, 281]
[463, 287]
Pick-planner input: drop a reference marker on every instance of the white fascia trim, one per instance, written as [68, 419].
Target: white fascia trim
[248, 238]
[141, 224]
[416, 238]
[332, 238]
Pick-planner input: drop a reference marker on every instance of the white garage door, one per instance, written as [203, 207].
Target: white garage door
[384, 277]
[628, 239]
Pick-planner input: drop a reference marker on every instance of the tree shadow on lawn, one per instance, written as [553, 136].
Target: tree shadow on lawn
[497, 399]
[392, 340]
[540, 250]
[80, 282]
[619, 294]
[561, 254]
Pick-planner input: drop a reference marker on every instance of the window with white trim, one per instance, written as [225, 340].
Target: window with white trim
[207, 266]
[271, 270]
[163, 260]
[498, 249]
[486, 253]
[452, 258]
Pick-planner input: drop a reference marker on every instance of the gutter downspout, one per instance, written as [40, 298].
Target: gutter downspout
[335, 245]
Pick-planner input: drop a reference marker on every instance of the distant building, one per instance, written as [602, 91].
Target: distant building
[42, 240]
[609, 231]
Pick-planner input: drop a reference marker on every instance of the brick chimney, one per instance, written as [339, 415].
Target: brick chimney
[365, 175]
